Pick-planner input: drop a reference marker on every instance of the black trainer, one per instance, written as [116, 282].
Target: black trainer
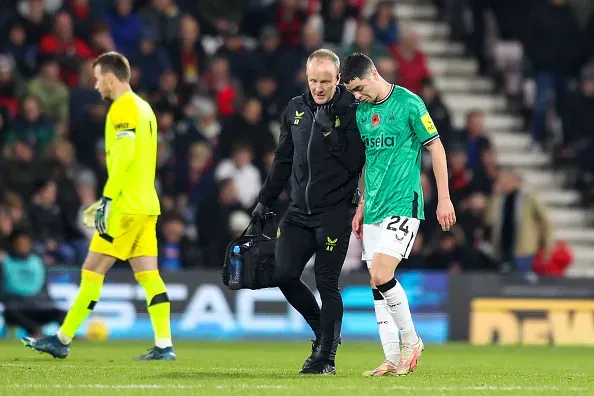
[320, 367]
[315, 346]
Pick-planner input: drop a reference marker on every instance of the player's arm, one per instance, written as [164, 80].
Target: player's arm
[427, 133]
[346, 146]
[121, 151]
[282, 166]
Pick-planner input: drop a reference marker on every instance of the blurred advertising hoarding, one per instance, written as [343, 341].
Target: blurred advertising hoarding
[203, 308]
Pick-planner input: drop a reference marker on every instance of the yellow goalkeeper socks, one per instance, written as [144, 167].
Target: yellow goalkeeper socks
[158, 305]
[88, 295]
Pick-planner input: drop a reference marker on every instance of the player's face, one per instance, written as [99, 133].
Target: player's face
[103, 84]
[322, 78]
[362, 89]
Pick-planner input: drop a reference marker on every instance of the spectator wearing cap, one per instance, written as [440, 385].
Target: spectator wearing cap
[125, 25]
[151, 59]
[31, 127]
[10, 87]
[204, 111]
[162, 18]
[188, 56]
[578, 120]
[52, 93]
[412, 62]
[383, 21]
[65, 47]
[23, 52]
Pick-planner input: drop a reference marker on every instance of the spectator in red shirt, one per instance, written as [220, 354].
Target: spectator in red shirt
[67, 49]
[221, 84]
[412, 62]
[81, 13]
[289, 19]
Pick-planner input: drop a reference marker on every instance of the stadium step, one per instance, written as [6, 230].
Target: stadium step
[510, 141]
[432, 29]
[452, 66]
[412, 10]
[467, 102]
[522, 160]
[573, 235]
[538, 179]
[441, 48]
[463, 85]
[493, 121]
[564, 217]
[559, 197]
[462, 89]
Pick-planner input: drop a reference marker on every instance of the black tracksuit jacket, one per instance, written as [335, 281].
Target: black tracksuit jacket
[324, 171]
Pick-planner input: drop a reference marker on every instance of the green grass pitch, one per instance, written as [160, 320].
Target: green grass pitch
[270, 368]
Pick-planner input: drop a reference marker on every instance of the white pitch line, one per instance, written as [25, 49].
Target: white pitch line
[492, 388]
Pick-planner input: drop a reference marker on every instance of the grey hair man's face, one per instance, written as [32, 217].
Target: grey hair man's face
[322, 79]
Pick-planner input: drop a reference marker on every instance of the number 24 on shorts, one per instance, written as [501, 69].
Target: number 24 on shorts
[393, 226]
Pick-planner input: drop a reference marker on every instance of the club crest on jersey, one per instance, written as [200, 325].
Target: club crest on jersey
[375, 120]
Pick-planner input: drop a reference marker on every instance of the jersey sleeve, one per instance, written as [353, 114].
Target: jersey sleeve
[123, 119]
[421, 121]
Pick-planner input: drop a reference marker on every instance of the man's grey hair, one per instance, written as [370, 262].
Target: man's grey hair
[323, 53]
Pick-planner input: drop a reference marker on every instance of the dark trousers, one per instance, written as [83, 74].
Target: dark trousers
[33, 319]
[327, 236]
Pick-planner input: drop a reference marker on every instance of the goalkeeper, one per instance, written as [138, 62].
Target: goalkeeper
[125, 217]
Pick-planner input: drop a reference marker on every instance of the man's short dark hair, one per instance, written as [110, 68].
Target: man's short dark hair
[354, 66]
[116, 63]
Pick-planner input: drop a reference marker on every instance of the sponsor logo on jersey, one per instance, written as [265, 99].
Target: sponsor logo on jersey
[428, 123]
[380, 141]
[120, 126]
[375, 119]
[298, 116]
[330, 244]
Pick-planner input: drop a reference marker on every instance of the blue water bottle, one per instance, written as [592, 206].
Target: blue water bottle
[236, 263]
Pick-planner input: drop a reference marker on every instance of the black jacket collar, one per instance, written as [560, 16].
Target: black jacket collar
[341, 100]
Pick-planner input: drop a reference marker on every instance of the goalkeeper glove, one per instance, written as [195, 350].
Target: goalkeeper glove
[89, 215]
[102, 214]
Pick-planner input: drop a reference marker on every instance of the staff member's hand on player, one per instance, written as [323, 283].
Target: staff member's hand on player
[446, 216]
[357, 223]
[102, 214]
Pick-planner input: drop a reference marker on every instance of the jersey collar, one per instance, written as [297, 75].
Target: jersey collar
[387, 96]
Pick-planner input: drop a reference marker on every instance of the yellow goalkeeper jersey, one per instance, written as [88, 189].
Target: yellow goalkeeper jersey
[131, 156]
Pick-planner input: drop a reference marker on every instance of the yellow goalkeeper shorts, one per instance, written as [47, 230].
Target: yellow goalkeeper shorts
[128, 236]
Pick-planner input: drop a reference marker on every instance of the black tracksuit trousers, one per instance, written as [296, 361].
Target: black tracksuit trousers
[327, 235]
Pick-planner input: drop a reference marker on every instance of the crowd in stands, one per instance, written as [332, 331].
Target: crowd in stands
[542, 54]
[218, 74]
